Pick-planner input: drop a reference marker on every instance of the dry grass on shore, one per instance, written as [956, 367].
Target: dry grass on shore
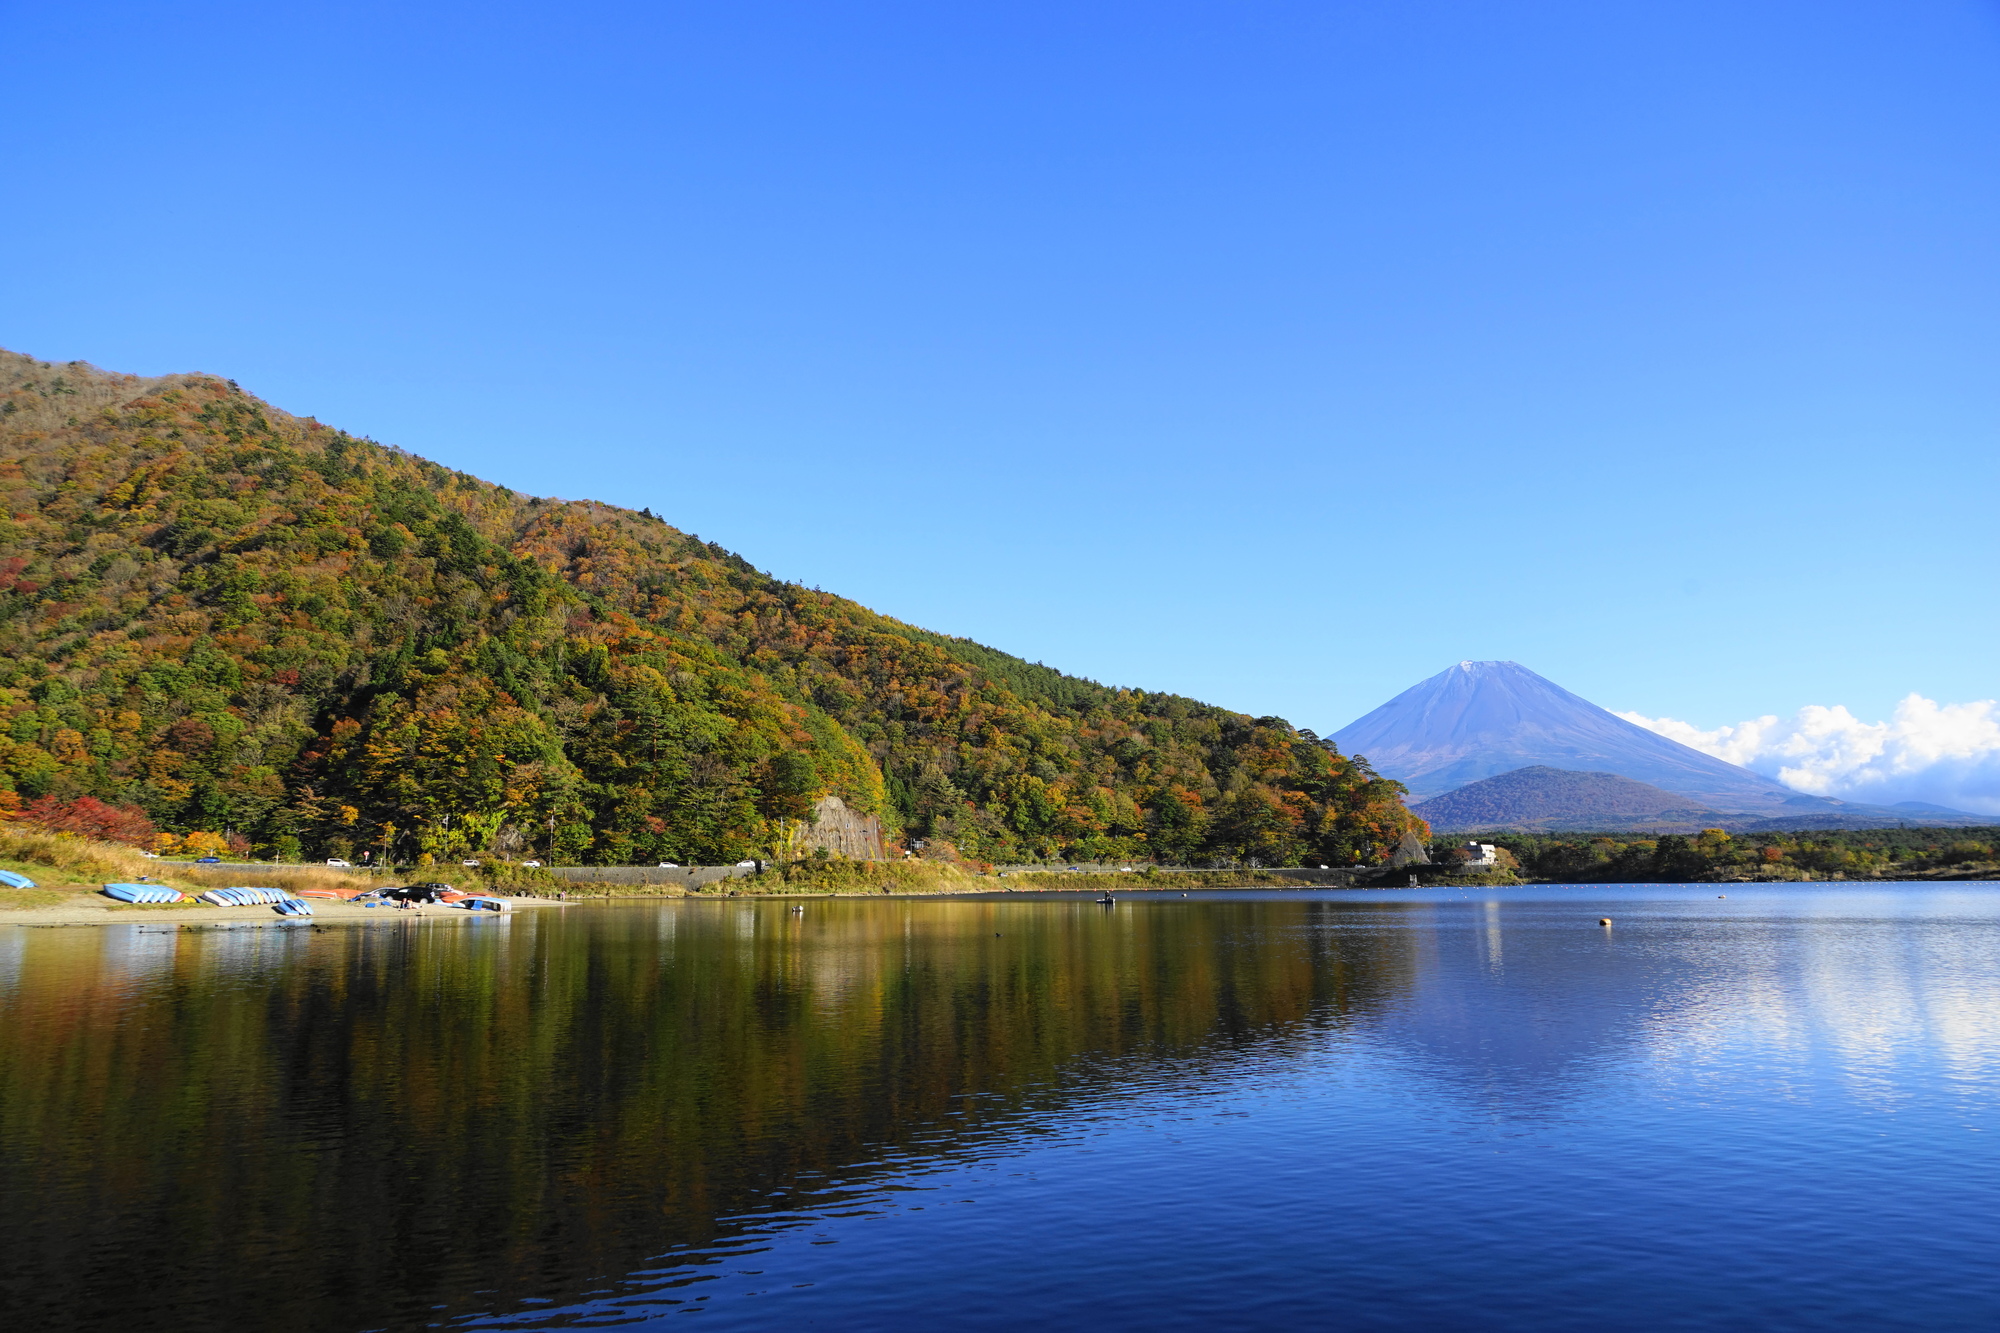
[292, 879]
[61, 858]
[916, 877]
[816, 877]
[865, 877]
[64, 858]
[58, 858]
[1148, 879]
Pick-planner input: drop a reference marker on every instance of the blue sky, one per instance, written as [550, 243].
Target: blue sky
[1276, 354]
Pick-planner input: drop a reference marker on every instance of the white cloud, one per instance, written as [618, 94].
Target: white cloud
[1947, 754]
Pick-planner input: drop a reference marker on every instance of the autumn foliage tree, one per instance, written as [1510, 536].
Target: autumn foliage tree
[87, 817]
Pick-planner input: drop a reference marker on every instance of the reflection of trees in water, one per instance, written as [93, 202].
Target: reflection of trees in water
[406, 1117]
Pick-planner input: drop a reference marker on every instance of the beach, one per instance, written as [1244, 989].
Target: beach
[94, 909]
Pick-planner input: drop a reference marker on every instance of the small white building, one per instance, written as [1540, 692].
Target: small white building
[1479, 858]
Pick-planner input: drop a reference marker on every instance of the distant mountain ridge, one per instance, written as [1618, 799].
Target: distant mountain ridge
[1558, 800]
[1553, 800]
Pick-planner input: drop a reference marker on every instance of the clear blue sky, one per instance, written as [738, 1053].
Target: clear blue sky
[1279, 354]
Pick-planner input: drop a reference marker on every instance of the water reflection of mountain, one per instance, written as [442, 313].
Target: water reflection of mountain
[480, 1113]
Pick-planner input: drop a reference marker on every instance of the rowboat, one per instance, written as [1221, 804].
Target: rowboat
[241, 897]
[143, 893]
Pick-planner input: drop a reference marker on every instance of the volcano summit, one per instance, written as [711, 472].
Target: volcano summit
[1479, 719]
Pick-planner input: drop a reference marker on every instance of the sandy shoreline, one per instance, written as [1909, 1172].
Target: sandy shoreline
[96, 910]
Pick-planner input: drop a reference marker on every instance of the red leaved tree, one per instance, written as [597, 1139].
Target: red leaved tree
[88, 817]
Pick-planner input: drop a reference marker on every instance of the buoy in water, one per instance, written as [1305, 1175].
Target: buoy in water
[1604, 921]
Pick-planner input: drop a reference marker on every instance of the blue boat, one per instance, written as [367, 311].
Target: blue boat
[485, 904]
[143, 893]
[293, 907]
[242, 897]
[14, 881]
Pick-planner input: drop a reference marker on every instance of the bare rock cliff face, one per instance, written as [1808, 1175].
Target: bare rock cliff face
[845, 832]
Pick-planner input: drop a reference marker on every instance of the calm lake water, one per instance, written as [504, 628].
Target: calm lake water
[1242, 1110]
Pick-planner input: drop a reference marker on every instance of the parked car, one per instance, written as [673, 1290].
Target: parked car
[208, 860]
[474, 864]
[536, 864]
[670, 865]
[336, 861]
[741, 864]
[419, 893]
[150, 856]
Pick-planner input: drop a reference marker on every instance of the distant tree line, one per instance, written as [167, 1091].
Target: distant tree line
[1714, 855]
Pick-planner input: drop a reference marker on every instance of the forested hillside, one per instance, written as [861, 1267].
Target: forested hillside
[1540, 797]
[245, 622]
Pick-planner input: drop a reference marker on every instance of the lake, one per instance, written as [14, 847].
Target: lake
[1414, 1109]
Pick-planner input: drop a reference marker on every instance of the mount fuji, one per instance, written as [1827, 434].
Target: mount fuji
[1479, 719]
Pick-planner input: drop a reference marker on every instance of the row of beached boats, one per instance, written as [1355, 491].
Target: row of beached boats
[285, 903]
